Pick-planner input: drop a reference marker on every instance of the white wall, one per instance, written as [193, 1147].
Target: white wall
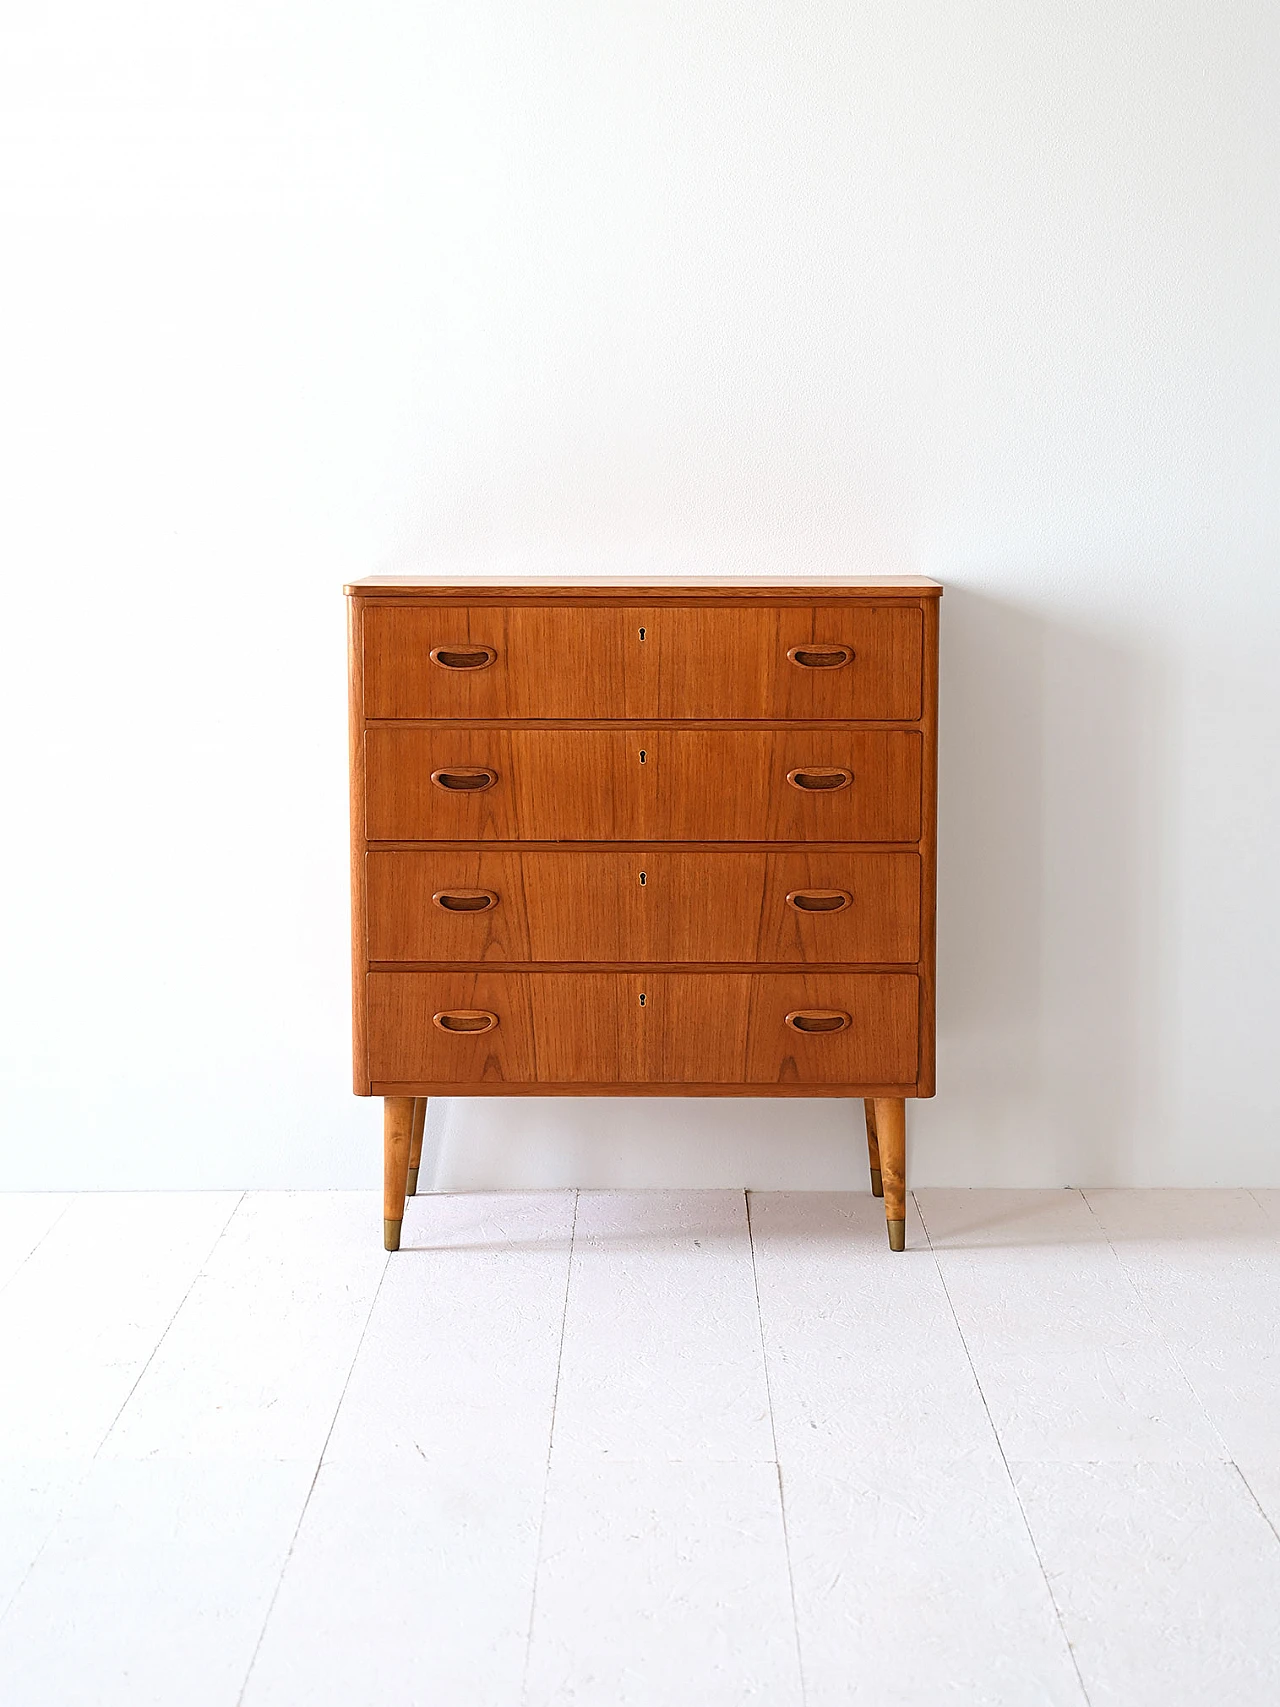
[298, 292]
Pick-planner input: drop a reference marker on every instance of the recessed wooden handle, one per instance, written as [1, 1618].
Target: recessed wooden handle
[818, 1019]
[465, 900]
[819, 900]
[463, 657]
[819, 779]
[471, 1021]
[821, 657]
[465, 779]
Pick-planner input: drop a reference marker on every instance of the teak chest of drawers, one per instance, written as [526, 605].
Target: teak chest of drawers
[671, 840]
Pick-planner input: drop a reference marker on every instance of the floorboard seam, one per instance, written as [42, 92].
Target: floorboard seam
[1252, 1192]
[311, 1486]
[195, 1280]
[1257, 1503]
[1022, 1511]
[551, 1438]
[49, 1229]
[107, 1433]
[1228, 1457]
[773, 1435]
[1156, 1331]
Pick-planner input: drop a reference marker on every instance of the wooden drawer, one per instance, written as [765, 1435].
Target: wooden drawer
[849, 662]
[692, 1029]
[651, 905]
[845, 662]
[636, 785]
[542, 661]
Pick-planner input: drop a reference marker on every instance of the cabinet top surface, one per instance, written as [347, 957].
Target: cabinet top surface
[615, 586]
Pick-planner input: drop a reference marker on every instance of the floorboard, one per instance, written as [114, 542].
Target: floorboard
[663, 1448]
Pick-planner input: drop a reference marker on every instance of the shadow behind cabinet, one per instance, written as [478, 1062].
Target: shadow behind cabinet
[673, 840]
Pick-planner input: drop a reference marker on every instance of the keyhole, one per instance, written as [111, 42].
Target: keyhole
[642, 634]
[643, 879]
[643, 998]
[643, 755]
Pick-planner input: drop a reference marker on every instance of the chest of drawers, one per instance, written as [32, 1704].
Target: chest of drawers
[625, 840]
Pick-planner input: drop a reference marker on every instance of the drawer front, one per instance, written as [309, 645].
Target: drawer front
[551, 1027]
[785, 785]
[692, 1028]
[651, 905]
[849, 662]
[525, 661]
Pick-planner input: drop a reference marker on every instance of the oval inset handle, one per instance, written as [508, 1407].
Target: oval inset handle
[472, 1021]
[820, 779]
[465, 900]
[818, 1019]
[819, 900]
[463, 657]
[821, 657]
[465, 779]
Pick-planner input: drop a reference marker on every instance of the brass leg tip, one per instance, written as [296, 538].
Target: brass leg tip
[877, 1184]
[897, 1235]
[391, 1235]
[411, 1186]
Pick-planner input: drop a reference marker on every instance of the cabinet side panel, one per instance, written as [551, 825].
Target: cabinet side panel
[359, 938]
[929, 854]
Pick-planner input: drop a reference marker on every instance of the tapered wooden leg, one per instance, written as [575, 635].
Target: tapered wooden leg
[873, 1146]
[415, 1144]
[891, 1136]
[397, 1133]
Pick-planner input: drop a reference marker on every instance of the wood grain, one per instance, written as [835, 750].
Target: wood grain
[405, 1045]
[575, 816]
[929, 854]
[666, 784]
[891, 1136]
[552, 661]
[873, 1147]
[611, 662]
[547, 1088]
[593, 907]
[725, 663]
[415, 1144]
[881, 1045]
[355, 748]
[592, 1028]
[397, 1134]
[602, 588]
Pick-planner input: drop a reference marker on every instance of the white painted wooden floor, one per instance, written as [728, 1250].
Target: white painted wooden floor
[640, 1448]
